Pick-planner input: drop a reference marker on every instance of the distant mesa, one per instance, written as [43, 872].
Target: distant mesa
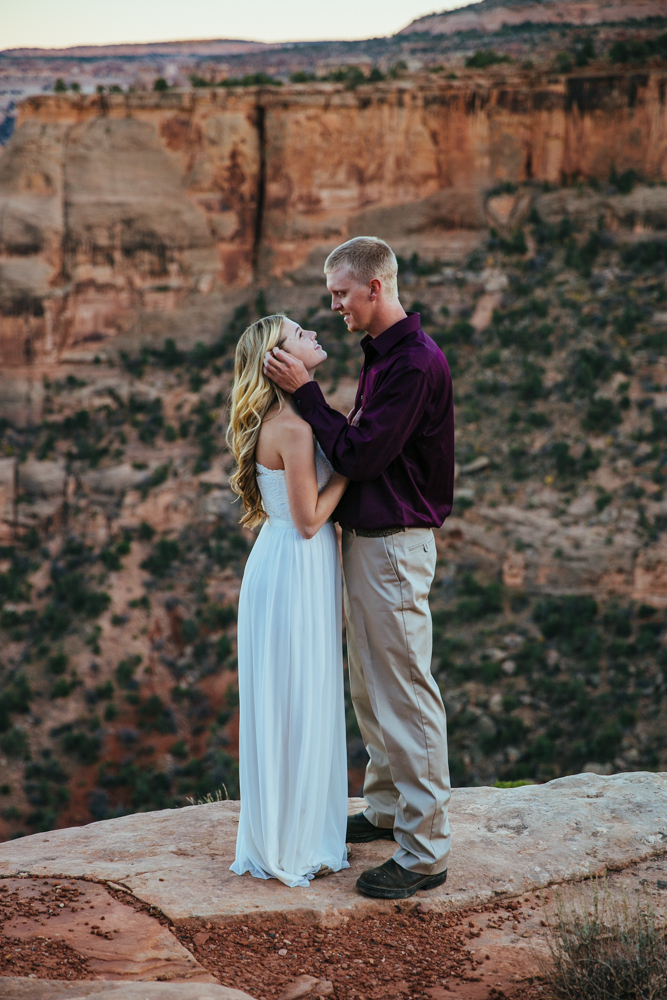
[194, 47]
[492, 15]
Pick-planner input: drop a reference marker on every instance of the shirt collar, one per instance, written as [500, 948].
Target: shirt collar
[392, 335]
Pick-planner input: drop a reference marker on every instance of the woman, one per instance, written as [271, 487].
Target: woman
[292, 727]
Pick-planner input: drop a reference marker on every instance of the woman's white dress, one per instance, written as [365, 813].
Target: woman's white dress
[292, 754]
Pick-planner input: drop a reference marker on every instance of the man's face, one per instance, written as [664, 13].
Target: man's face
[352, 299]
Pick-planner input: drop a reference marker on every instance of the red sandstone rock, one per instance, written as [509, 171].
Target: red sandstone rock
[148, 203]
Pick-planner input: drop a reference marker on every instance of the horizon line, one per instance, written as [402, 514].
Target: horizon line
[63, 50]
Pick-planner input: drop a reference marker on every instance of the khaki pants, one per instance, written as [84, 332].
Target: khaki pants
[398, 705]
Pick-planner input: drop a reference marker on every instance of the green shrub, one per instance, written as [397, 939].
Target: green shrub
[486, 57]
[510, 731]
[57, 664]
[105, 690]
[179, 750]
[126, 670]
[567, 466]
[618, 622]
[569, 622]
[189, 630]
[156, 478]
[145, 532]
[563, 62]
[15, 697]
[165, 552]
[530, 657]
[15, 743]
[45, 787]
[582, 257]
[223, 649]
[86, 747]
[602, 415]
[141, 602]
[299, 77]
[516, 243]
[217, 616]
[110, 559]
[585, 53]
[530, 387]
[555, 615]
[647, 254]
[72, 591]
[478, 600]
[589, 367]
[638, 50]
[460, 332]
[154, 714]
[62, 688]
[251, 80]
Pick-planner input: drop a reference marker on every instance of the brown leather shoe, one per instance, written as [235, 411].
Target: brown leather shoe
[390, 881]
[362, 831]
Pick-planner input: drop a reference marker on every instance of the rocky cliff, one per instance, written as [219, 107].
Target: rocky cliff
[151, 897]
[119, 206]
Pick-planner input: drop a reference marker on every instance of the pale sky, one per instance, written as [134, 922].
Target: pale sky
[59, 23]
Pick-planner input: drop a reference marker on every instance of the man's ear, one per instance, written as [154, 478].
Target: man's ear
[375, 287]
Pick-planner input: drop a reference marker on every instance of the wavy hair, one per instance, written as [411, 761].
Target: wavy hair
[251, 398]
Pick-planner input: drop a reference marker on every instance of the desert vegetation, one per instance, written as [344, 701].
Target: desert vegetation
[118, 618]
[604, 946]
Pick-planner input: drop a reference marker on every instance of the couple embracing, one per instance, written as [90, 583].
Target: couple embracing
[385, 473]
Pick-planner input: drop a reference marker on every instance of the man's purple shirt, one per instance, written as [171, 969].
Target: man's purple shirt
[400, 457]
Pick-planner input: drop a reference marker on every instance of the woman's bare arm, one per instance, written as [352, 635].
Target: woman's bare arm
[310, 510]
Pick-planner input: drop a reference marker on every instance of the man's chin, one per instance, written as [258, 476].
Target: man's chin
[353, 327]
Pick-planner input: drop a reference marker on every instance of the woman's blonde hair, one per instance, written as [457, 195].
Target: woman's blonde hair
[251, 398]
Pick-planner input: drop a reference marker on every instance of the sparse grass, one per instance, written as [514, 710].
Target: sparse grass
[605, 948]
[217, 796]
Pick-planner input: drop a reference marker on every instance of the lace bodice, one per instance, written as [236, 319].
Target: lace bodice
[273, 486]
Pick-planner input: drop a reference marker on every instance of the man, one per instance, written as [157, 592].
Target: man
[397, 448]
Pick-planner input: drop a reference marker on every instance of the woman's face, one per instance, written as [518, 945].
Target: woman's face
[302, 344]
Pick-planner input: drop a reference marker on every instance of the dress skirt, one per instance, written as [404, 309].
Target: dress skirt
[292, 755]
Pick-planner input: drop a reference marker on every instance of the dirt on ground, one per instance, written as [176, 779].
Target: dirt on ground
[408, 952]
[411, 952]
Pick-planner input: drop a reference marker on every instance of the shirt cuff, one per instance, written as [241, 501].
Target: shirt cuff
[308, 396]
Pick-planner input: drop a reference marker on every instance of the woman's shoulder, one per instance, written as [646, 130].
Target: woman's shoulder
[285, 431]
[288, 419]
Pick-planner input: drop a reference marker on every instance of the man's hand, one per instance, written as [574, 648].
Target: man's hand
[285, 370]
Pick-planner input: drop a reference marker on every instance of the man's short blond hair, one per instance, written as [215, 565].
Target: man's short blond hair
[367, 257]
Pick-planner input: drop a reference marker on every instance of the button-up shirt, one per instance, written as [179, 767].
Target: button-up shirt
[398, 451]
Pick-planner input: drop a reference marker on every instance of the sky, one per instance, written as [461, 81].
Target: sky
[60, 23]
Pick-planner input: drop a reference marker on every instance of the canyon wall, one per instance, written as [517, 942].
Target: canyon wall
[119, 206]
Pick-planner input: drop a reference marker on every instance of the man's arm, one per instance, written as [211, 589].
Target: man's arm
[387, 421]
[363, 449]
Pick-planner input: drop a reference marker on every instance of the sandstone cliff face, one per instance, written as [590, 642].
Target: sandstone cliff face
[127, 205]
